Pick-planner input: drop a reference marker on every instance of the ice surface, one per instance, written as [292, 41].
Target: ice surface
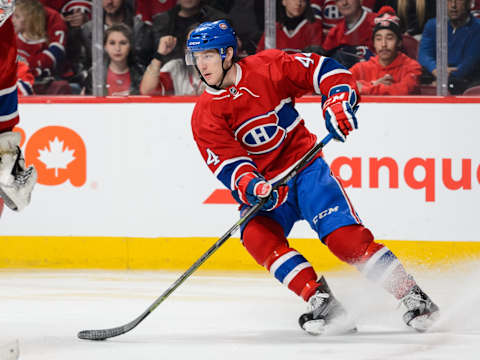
[244, 316]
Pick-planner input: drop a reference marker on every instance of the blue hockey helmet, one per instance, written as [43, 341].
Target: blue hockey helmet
[211, 35]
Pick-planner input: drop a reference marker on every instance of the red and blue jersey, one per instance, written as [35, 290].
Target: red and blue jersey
[8, 77]
[305, 34]
[66, 6]
[253, 126]
[49, 53]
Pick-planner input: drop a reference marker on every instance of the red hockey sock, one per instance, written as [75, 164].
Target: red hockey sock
[265, 241]
[355, 245]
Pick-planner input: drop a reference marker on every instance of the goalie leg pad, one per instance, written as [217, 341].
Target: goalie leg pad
[264, 239]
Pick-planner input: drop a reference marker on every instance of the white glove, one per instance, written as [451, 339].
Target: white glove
[6, 9]
[16, 182]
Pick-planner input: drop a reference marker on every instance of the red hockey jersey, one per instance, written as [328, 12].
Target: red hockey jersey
[8, 78]
[253, 125]
[328, 11]
[45, 55]
[305, 34]
[360, 34]
[66, 6]
[147, 9]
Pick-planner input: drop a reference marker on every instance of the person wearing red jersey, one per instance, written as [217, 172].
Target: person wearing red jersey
[16, 181]
[74, 12]
[147, 10]
[350, 40]
[122, 73]
[390, 72]
[328, 11]
[249, 133]
[41, 37]
[297, 27]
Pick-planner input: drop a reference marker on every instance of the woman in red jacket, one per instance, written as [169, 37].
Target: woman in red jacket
[390, 72]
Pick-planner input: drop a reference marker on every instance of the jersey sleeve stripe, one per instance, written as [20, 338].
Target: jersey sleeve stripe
[25, 87]
[8, 104]
[231, 171]
[8, 117]
[50, 56]
[327, 67]
[316, 74]
[334, 72]
[8, 90]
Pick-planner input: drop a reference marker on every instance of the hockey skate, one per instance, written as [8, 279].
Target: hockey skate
[422, 312]
[325, 315]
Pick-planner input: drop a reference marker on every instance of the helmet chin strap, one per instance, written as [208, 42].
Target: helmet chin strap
[219, 86]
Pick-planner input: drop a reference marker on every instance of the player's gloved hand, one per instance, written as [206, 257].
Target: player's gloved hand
[253, 188]
[339, 115]
[16, 181]
[6, 10]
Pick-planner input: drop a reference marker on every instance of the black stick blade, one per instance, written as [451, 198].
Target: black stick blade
[102, 334]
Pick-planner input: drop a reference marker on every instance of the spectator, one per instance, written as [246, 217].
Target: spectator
[147, 10]
[463, 47]
[413, 14]
[390, 72]
[328, 11]
[297, 27]
[41, 43]
[177, 20]
[350, 40]
[245, 20]
[123, 75]
[75, 13]
[117, 12]
[173, 77]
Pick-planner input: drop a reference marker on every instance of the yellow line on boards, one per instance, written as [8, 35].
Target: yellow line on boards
[180, 253]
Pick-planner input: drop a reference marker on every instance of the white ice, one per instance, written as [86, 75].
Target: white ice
[244, 316]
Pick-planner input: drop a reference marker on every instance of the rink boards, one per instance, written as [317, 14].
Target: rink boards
[122, 185]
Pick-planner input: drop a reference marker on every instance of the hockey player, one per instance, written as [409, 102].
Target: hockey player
[16, 181]
[250, 134]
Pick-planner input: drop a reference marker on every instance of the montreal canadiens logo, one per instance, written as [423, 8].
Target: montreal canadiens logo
[261, 134]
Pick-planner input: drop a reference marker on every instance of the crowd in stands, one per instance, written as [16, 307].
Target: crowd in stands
[389, 45]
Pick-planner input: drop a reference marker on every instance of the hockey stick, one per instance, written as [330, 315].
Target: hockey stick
[108, 333]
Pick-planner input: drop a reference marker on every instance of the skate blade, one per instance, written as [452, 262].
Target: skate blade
[10, 351]
[424, 322]
[336, 327]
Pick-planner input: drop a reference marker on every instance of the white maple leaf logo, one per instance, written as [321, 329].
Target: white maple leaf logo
[55, 157]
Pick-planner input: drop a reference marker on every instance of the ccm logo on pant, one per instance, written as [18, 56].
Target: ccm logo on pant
[324, 213]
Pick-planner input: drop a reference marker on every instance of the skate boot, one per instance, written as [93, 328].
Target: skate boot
[325, 314]
[422, 312]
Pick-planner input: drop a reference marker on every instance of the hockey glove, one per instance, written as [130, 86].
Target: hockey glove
[16, 181]
[339, 115]
[253, 188]
[6, 10]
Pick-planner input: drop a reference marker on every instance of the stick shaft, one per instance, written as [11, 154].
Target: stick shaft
[108, 333]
